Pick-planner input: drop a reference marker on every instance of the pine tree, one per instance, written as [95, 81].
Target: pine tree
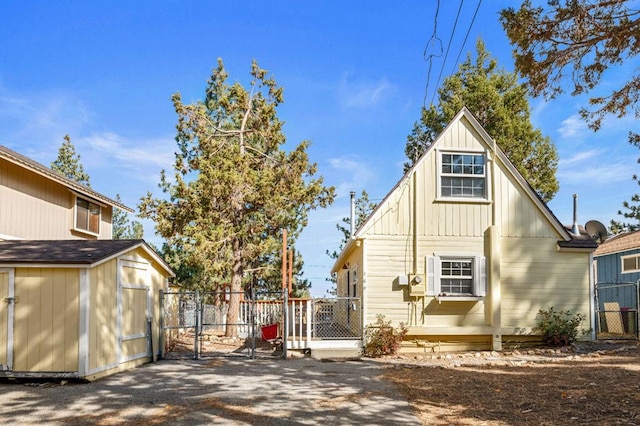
[68, 163]
[234, 187]
[500, 104]
[123, 228]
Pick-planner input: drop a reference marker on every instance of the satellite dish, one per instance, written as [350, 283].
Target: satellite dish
[596, 230]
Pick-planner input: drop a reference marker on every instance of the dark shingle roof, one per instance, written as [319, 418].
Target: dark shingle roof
[582, 241]
[72, 252]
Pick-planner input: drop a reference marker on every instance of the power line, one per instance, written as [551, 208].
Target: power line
[429, 58]
[466, 36]
[444, 61]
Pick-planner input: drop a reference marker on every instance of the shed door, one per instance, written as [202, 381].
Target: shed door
[134, 299]
[6, 320]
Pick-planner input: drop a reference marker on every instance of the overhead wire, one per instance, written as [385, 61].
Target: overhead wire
[446, 54]
[429, 58]
[455, 64]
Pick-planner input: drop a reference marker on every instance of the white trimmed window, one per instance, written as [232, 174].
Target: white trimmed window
[630, 263]
[87, 217]
[462, 175]
[456, 276]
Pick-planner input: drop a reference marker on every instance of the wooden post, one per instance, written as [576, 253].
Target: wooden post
[290, 272]
[284, 258]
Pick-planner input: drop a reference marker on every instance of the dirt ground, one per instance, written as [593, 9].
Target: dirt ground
[589, 383]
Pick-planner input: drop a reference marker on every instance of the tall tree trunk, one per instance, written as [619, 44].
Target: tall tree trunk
[233, 315]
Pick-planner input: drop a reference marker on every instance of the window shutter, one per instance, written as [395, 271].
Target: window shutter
[341, 290]
[433, 275]
[481, 276]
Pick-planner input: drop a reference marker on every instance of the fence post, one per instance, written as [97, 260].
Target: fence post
[252, 325]
[310, 318]
[196, 332]
[162, 337]
[285, 322]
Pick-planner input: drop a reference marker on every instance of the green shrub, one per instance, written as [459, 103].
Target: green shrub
[383, 339]
[558, 328]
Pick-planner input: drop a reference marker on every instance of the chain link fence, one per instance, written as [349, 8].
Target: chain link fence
[617, 310]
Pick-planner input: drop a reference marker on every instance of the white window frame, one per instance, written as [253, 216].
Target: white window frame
[629, 256]
[76, 225]
[479, 278]
[485, 175]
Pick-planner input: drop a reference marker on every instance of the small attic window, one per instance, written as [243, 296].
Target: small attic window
[87, 218]
[462, 175]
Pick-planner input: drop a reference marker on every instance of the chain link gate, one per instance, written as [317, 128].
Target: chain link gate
[617, 306]
[223, 323]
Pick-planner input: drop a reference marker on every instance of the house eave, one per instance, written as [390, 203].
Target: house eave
[39, 169]
[346, 251]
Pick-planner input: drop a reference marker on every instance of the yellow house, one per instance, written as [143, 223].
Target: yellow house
[464, 252]
[78, 308]
[73, 302]
[37, 203]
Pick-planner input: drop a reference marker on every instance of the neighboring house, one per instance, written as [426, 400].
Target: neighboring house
[73, 301]
[38, 203]
[617, 260]
[617, 272]
[78, 308]
[464, 252]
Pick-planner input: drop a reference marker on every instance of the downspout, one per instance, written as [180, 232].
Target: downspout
[494, 257]
[415, 224]
[592, 297]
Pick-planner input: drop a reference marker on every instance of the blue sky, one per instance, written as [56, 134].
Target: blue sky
[354, 74]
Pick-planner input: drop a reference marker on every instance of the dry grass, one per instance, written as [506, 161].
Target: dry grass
[599, 386]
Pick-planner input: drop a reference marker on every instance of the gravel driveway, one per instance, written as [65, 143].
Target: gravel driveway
[217, 391]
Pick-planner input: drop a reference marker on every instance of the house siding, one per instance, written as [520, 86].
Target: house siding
[535, 276]
[36, 208]
[609, 268]
[525, 270]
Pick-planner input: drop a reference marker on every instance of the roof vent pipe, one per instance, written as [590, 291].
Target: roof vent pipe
[574, 228]
[352, 217]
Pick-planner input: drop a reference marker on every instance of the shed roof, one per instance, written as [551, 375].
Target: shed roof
[618, 243]
[70, 252]
[34, 166]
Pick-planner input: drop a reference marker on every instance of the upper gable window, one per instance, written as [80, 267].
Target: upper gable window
[463, 175]
[87, 216]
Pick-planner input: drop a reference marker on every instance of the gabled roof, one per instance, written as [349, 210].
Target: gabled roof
[569, 241]
[80, 253]
[34, 166]
[619, 243]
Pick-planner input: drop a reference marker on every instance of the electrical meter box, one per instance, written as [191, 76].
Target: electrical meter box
[417, 286]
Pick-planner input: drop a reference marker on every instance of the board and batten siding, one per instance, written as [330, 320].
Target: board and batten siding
[36, 208]
[46, 329]
[412, 223]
